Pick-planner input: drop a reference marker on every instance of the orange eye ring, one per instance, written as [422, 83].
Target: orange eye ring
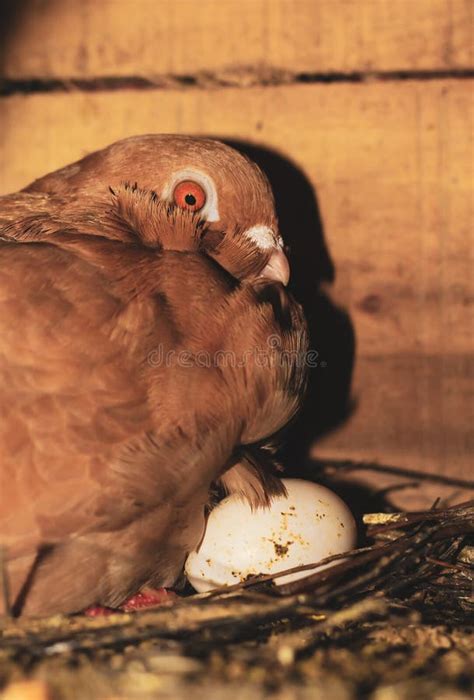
[189, 195]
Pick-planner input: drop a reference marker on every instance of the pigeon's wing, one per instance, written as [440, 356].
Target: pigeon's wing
[101, 464]
[70, 394]
[86, 325]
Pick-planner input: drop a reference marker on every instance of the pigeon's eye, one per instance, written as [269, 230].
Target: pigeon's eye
[189, 195]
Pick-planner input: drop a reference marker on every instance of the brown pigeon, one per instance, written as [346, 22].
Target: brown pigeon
[148, 350]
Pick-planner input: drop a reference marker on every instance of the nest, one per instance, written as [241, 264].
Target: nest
[388, 621]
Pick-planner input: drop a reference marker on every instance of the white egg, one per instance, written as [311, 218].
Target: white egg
[307, 525]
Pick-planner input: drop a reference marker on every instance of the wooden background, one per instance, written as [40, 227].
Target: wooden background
[366, 106]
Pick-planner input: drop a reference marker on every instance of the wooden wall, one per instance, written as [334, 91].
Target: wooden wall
[370, 100]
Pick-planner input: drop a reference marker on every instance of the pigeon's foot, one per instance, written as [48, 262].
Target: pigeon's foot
[99, 611]
[147, 598]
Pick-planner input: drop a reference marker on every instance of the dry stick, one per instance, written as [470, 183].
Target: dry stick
[4, 583]
[449, 565]
[382, 522]
[450, 584]
[381, 493]
[333, 466]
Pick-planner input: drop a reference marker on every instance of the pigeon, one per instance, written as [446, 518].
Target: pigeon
[149, 354]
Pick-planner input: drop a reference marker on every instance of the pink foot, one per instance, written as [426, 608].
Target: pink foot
[98, 611]
[149, 598]
[146, 598]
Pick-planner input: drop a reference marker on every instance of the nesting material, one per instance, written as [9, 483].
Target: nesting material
[388, 620]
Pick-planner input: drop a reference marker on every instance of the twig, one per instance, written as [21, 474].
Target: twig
[334, 466]
[4, 583]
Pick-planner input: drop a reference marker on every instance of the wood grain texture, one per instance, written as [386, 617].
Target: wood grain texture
[391, 164]
[414, 411]
[86, 38]
[392, 167]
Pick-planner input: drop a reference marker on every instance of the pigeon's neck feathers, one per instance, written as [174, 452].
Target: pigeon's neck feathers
[154, 222]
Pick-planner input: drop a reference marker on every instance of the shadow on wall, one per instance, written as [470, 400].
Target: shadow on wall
[328, 403]
[11, 12]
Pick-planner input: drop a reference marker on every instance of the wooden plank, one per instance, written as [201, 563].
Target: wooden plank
[412, 411]
[86, 38]
[391, 165]
[392, 168]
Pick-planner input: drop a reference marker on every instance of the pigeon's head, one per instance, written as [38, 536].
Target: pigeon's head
[227, 192]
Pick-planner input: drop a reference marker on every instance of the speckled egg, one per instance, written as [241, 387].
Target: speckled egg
[307, 525]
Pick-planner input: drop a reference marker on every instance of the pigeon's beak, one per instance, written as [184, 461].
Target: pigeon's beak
[277, 268]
